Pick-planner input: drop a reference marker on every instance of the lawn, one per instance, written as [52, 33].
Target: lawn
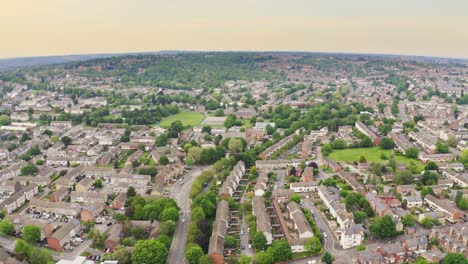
[187, 119]
[372, 155]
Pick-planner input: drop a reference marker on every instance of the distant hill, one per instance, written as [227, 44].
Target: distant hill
[18, 63]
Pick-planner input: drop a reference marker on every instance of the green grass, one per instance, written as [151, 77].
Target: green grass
[187, 119]
[372, 155]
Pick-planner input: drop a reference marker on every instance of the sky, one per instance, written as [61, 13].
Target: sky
[61, 27]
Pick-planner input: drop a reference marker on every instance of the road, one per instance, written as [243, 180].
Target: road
[181, 194]
[329, 241]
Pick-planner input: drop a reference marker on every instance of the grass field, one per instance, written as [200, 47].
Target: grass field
[187, 118]
[372, 155]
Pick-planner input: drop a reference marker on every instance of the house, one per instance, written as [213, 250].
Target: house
[361, 127]
[352, 236]
[452, 213]
[379, 206]
[87, 197]
[261, 184]
[59, 195]
[61, 124]
[245, 113]
[433, 255]
[84, 185]
[220, 226]
[91, 210]
[301, 187]
[233, 180]
[332, 165]
[308, 174]
[119, 201]
[21, 221]
[57, 208]
[113, 240]
[19, 198]
[58, 240]
[413, 201]
[263, 219]
[393, 253]
[283, 195]
[300, 223]
[416, 245]
[452, 239]
[10, 187]
[369, 257]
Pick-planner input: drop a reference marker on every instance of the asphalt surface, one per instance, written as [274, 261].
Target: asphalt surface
[181, 194]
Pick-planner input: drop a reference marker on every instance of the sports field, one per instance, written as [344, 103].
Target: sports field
[371, 154]
[187, 119]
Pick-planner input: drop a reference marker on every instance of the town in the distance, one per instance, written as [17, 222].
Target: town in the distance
[235, 157]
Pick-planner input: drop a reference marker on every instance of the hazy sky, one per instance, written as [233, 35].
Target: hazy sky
[57, 27]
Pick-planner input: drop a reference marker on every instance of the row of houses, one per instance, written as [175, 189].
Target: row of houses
[401, 142]
[232, 181]
[220, 228]
[361, 127]
[19, 198]
[453, 215]
[458, 178]
[350, 234]
[262, 218]
[266, 154]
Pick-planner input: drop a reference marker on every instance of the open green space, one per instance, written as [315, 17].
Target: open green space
[372, 155]
[187, 119]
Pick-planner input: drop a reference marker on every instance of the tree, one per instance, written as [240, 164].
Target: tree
[296, 198]
[149, 251]
[464, 157]
[194, 154]
[193, 254]
[230, 242]
[131, 192]
[429, 178]
[25, 137]
[327, 258]
[31, 234]
[236, 145]
[6, 227]
[163, 160]
[387, 143]
[452, 141]
[403, 177]
[270, 129]
[122, 255]
[264, 258]
[463, 204]
[362, 159]
[361, 247]
[383, 227]
[167, 228]
[408, 220]
[88, 226]
[98, 183]
[66, 140]
[339, 144]
[359, 216]
[280, 250]
[412, 152]
[164, 239]
[431, 166]
[442, 147]
[455, 258]
[313, 245]
[29, 169]
[259, 241]
[171, 213]
[327, 149]
[206, 129]
[244, 259]
[205, 259]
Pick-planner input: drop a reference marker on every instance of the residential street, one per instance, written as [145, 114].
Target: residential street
[181, 195]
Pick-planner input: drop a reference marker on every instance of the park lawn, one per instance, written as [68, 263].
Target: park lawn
[187, 119]
[372, 155]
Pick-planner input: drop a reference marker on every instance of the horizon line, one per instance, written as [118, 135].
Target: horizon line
[123, 53]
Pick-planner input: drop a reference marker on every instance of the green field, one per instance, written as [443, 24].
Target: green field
[372, 155]
[187, 119]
